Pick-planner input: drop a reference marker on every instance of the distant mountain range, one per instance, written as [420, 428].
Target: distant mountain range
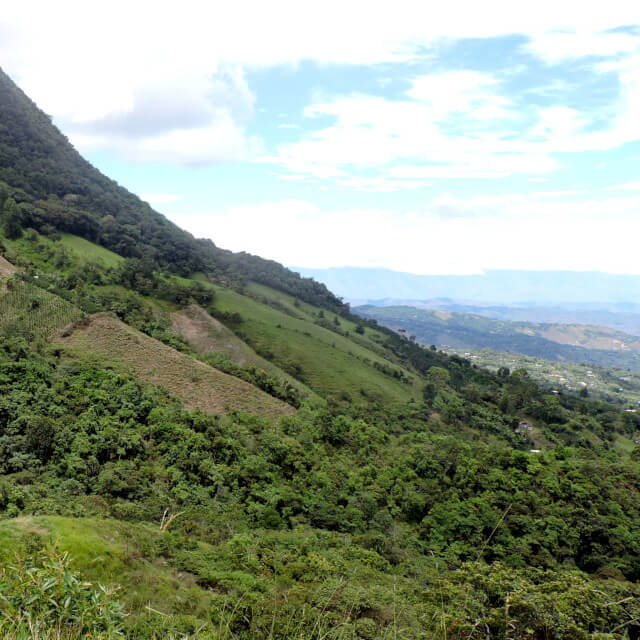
[595, 290]
[602, 316]
[560, 342]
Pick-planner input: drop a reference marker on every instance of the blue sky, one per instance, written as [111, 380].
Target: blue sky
[451, 141]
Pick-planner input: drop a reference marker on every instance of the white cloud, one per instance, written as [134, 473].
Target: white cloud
[448, 235]
[556, 46]
[449, 125]
[627, 186]
[460, 124]
[464, 92]
[221, 141]
[152, 70]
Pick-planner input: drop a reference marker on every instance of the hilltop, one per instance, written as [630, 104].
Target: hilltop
[225, 451]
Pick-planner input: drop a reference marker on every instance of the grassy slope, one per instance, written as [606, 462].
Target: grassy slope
[197, 384]
[89, 251]
[206, 335]
[320, 359]
[111, 552]
[370, 339]
[203, 586]
[328, 362]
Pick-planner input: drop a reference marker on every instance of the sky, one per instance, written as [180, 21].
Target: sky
[423, 137]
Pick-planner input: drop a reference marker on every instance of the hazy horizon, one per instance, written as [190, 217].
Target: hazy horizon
[506, 286]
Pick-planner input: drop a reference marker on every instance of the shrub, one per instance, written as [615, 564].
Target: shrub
[44, 598]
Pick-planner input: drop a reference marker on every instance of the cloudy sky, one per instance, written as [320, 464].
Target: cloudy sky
[425, 137]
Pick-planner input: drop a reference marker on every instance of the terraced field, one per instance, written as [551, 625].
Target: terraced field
[34, 312]
[6, 268]
[197, 384]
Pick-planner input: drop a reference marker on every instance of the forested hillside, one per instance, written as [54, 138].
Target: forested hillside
[194, 448]
[56, 189]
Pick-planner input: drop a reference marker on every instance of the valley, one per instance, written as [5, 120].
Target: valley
[600, 346]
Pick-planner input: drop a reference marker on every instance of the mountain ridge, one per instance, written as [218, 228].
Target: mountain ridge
[59, 190]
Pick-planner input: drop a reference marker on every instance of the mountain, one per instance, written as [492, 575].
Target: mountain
[58, 190]
[624, 321]
[575, 343]
[493, 286]
[202, 445]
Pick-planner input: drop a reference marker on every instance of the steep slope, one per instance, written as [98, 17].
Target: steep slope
[329, 362]
[197, 384]
[209, 336]
[57, 188]
[316, 352]
[427, 498]
[33, 312]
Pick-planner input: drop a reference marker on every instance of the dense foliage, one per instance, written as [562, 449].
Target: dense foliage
[480, 507]
[403, 484]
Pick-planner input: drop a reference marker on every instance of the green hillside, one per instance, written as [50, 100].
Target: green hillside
[329, 362]
[90, 251]
[197, 384]
[196, 444]
[220, 346]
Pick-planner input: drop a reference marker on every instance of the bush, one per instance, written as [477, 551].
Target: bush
[44, 598]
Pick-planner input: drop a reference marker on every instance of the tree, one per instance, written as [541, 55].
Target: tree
[4, 193]
[11, 219]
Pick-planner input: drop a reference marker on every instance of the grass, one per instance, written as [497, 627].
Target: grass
[221, 591]
[328, 362]
[197, 384]
[114, 553]
[89, 251]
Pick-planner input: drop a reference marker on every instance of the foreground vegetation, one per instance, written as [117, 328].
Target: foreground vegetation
[424, 520]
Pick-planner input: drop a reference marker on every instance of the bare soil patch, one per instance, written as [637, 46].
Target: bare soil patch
[6, 268]
[197, 384]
